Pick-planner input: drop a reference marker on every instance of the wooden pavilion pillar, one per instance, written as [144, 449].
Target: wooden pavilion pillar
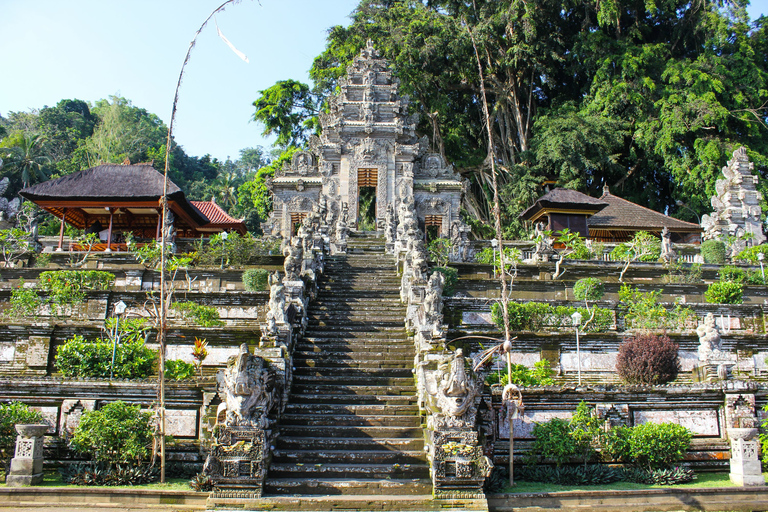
[159, 223]
[61, 230]
[109, 230]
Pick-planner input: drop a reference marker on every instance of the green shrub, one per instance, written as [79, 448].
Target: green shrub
[643, 311]
[724, 292]
[451, 278]
[89, 473]
[540, 375]
[537, 316]
[657, 446]
[12, 414]
[589, 288]
[750, 254]
[648, 359]
[24, 302]
[67, 287]
[643, 247]
[204, 316]
[235, 251]
[489, 256]
[79, 357]
[713, 252]
[440, 251]
[178, 369]
[732, 274]
[680, 272]
[116, 433]
[255, 279]
[562, 440]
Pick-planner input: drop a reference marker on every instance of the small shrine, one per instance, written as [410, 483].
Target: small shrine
[113, 200]
[368, 155]
[737, 204]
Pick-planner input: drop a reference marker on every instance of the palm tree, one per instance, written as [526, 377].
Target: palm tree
[227, 188]
[29, 158]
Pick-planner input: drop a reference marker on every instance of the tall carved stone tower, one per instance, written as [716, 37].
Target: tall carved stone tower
[368, 140]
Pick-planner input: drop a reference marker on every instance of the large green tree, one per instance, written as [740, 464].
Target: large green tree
[647, 97]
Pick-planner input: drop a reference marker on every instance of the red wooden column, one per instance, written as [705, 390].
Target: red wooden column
[159, 223]
[61, 230]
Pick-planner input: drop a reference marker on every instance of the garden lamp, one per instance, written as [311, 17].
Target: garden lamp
[576, 320]
[119, 309]
[760, 258]
[224, 236]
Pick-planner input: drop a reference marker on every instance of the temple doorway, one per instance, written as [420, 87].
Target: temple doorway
[366, 212]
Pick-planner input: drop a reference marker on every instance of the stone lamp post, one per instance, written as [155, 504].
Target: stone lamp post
[27, 463]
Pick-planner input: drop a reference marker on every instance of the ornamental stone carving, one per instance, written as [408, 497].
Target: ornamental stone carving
[736, 206]
[247, 385]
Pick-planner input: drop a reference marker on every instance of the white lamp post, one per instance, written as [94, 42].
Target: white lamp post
[224, 236]
[576, 321]
[760, 258]
[119, 310]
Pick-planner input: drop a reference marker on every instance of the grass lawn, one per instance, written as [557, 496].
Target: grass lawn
[703, 480]
[53, 479]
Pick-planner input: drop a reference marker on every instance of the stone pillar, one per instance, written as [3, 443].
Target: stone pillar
[745, 464]
[27, 463]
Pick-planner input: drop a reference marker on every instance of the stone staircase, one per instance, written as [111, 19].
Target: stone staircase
[352, 425]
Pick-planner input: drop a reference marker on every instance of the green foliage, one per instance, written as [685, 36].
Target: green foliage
[236, 251]
[643, 247]
[588, 288]
[440, 251]
[288, 110]
[575, 245]
[451, 278]
[178, 369]
[657, 446]
[645, 312]
[24, 302]
[561, 440]
[116, 433]
[724, 292]
[537, 316]
[255, 279]
[11, 414]
[750, 254]
[713, 252]
[204, 316]
[107, 474]
[540, 375]
[683, 273]
[14, 244]
[597, 474]
[67, 287]
[78, 357]
[487, 256]
[201, 483]
[731, 274]
[648, 359]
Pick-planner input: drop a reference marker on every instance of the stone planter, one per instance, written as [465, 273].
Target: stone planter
[745, 464]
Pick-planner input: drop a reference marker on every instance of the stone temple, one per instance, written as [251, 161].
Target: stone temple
[369, 142]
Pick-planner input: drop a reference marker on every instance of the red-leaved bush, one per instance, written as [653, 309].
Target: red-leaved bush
[648, 359]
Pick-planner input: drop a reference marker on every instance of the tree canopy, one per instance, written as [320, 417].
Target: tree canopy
[648, 97]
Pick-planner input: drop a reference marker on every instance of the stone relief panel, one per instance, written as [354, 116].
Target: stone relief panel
[702, 422]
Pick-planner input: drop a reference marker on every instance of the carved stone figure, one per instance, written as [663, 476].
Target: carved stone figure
[667, 251]
[456, 394]
[433, 302]
[294, 255]
[391, 226]
[277, 298]
[709, 339]
[544, 249]
[245, 388]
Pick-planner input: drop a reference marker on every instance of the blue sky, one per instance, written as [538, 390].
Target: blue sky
[91, 49]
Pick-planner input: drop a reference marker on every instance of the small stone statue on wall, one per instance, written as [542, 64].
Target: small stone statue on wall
[667, 251]
[709, 339]
[294, 255]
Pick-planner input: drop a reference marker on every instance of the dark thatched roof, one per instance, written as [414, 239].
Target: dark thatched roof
[623, 214]
[563, 199]
[108, 181]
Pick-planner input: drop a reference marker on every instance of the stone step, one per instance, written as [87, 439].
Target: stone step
[358, 325]
[356, 318]
[324, 444]
[381, 502]
[354, 374]
[352, 380]
[350, 420]
[350, 456]
[346, 487]
[357, 409]
[333, 361]
[352, 399]
[370, 355]
[373, 330]
[374, 432]
[351, 390]
[362, 470]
